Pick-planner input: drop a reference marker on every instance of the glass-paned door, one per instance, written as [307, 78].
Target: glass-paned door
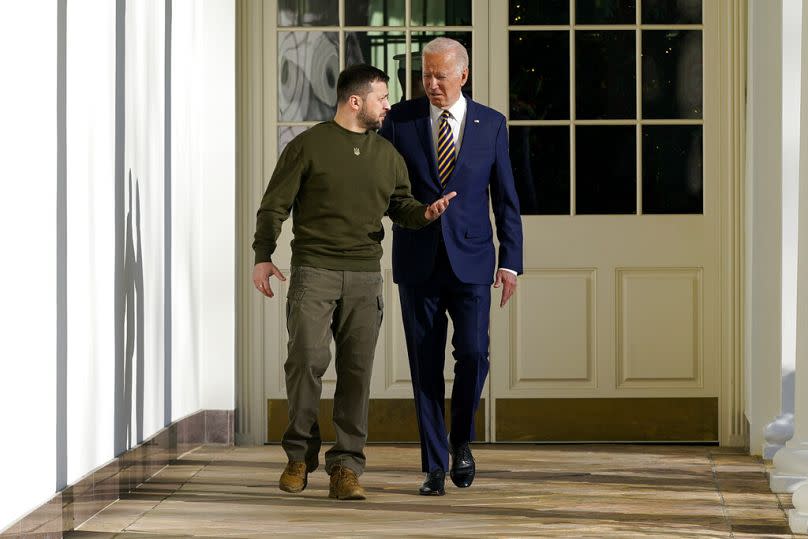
[611, 110]
[315, 40]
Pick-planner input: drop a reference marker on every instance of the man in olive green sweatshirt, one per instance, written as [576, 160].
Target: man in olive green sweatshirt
[338, 179]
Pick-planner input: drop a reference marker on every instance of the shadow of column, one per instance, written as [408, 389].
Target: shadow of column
[122, 411]
[167, 278]
[61, 246]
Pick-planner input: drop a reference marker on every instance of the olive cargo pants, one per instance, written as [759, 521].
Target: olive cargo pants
[346, 306]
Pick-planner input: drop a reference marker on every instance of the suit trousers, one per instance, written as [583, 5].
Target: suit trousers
[424, 309]
[348, 307]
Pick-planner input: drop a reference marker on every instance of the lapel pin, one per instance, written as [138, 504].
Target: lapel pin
[476, 121]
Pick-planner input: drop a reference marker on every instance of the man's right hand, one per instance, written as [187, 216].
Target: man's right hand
[261, 274]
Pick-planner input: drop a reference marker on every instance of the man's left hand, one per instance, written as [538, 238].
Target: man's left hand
[507, 281]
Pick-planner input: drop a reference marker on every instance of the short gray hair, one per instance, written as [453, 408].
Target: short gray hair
[444, 45]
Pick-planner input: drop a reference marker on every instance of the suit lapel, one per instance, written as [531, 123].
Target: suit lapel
[470, 132]
[424, 128]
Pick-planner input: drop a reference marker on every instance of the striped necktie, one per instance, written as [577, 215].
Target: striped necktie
[446, 149]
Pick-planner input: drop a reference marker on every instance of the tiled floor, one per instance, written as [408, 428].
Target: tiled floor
[525, 490]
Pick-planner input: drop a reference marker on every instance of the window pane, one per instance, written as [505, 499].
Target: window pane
[286, 134]
[374, 13]
[671, 74]
[539, 75]
[672, 169]
[380, 49]
[605, 12]
[605, 74]
[419, 39]
[671, 11]
[540, 157]
[605, 169]
[441, 12]
[308, 13]
[308, 67]
[539, 12]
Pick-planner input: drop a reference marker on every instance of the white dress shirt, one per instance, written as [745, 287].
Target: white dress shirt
[457, 122]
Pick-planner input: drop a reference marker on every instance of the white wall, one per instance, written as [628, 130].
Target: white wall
[203, 176]
[114, 379]
[90, 120]
[28, 272]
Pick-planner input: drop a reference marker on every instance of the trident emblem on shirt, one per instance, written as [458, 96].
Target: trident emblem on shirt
[356, 151]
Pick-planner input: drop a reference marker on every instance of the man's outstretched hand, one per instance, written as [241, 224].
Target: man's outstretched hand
[436, 209]
[261, 274]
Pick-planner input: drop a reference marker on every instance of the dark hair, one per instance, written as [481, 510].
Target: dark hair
[356, 80]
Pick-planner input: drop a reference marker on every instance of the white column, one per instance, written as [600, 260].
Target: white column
[791, 462]
[764, 221]
[779, 431]
[794, 459]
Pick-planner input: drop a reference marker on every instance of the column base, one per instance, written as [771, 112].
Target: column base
[798, 522]
[785, 484]
[770, 449]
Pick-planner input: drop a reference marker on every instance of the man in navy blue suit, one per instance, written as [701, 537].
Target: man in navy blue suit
[451, 143]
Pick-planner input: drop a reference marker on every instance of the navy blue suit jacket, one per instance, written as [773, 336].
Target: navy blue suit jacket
[482, 167]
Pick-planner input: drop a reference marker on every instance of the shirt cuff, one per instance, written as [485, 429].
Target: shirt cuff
[509, 271]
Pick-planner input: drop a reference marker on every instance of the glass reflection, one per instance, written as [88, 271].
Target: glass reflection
[308, 67]
[540, 157]
[308, 13]
[374, 13]
[605, 12]
[672, 74]
[441, 12]
[605, 74]
[539, 75]
[605, 169]
[380, 49]
[286, 134]
[671, 11]
[672, 169]
[539, 12]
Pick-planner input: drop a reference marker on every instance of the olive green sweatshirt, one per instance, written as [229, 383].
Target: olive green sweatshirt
[338, 185]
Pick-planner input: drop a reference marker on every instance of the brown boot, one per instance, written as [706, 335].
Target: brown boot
[294, 477]
[345, 485]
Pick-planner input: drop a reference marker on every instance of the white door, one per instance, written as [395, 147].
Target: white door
[614, 332]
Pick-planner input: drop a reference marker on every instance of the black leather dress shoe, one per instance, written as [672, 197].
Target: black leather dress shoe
[463, 466]
[433, 484]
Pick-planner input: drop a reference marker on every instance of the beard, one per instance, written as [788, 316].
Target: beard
[367, 121]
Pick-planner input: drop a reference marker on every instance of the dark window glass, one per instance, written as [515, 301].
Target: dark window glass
[539, 12]
[605, 12]
[605, 169]
[605, 74]
[374, 13]
[540, 157]
[308, 13]
[441, 12]
[671, 11]
[419, 39]
[672, 169]
[308, 68]
[671, 74]
[380, 49]
[539, 75]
